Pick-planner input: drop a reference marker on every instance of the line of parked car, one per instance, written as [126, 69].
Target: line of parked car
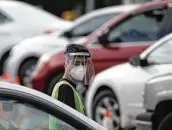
[131, 49]
[24, 56]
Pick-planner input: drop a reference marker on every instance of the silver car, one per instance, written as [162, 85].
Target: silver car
[27, 109]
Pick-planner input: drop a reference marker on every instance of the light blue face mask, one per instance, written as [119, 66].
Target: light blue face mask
[78, 72]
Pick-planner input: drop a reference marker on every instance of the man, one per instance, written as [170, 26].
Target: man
[79, 69]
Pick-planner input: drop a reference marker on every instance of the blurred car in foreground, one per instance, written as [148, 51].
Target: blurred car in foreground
[24, 56]
[120, 88]
[157, 103]
[19, 20]
[115, 42]
[26, 109]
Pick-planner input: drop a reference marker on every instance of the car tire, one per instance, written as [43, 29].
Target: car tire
[166, 123]
[3, 62]
[26, 70]
[98, 103]
[52, 82]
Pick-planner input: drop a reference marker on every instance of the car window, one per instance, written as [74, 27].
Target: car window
[162, 54]
[19, 115]
[140, 27]
[3, 18]
[90, 25]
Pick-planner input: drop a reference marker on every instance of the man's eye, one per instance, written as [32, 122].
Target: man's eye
[77, 63]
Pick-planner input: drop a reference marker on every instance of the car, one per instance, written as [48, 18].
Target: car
[16, 25]
[120, 88]
[137, 29]
[25, 108]
[157, 101]
[25, 55]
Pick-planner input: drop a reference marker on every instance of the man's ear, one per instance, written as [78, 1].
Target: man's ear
[65, 65]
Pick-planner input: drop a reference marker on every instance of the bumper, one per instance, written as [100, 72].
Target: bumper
[38, 83]
[11, 67]
[144, 121]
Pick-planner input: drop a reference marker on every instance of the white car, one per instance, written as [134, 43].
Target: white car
[120, 88]
[19, 20]
[24, 56]
[27, 109]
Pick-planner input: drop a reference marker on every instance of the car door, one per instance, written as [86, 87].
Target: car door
[128, 38]
[23, 111]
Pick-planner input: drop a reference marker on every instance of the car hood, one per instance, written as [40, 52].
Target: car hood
[79, 40]
[45, 40]
[61, 26]
[126, 73]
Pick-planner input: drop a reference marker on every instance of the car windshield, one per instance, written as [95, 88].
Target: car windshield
[87, 17]
[16, 115]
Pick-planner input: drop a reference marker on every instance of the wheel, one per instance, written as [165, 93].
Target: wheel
[52, 82]
[106, 100]
[3, 61]
[26, 70]
[166, 123]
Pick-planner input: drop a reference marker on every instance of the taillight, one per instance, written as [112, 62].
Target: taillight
[48, 31]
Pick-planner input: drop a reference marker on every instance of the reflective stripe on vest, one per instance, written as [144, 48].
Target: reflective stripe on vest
[78, 103]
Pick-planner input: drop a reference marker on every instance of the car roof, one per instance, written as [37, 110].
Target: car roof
[7, 3]
[105, 11]
[113, 9]
[12, 9]
[125, 14]
[32, 92]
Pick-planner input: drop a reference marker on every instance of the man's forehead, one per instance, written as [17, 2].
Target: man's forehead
[80, 58]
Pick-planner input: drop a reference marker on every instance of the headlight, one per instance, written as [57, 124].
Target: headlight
[42, 61]
[41, 65]
[14, 50]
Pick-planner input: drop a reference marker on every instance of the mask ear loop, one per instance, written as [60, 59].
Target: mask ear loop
[85, 67]
[68, 62]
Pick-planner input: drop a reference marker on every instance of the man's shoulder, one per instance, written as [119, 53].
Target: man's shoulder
[65, 87]
[61, 88]
[62, 83]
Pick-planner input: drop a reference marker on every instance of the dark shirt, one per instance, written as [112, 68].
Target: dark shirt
[66, 94]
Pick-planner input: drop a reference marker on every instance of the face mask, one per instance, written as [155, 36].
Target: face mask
[78, 72]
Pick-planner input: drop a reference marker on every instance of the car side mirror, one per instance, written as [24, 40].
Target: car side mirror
[67, 34]
[7, 106]
[103, 40]
[136, 61]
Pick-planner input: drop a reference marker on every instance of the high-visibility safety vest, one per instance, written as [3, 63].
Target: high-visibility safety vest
[78, 102]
